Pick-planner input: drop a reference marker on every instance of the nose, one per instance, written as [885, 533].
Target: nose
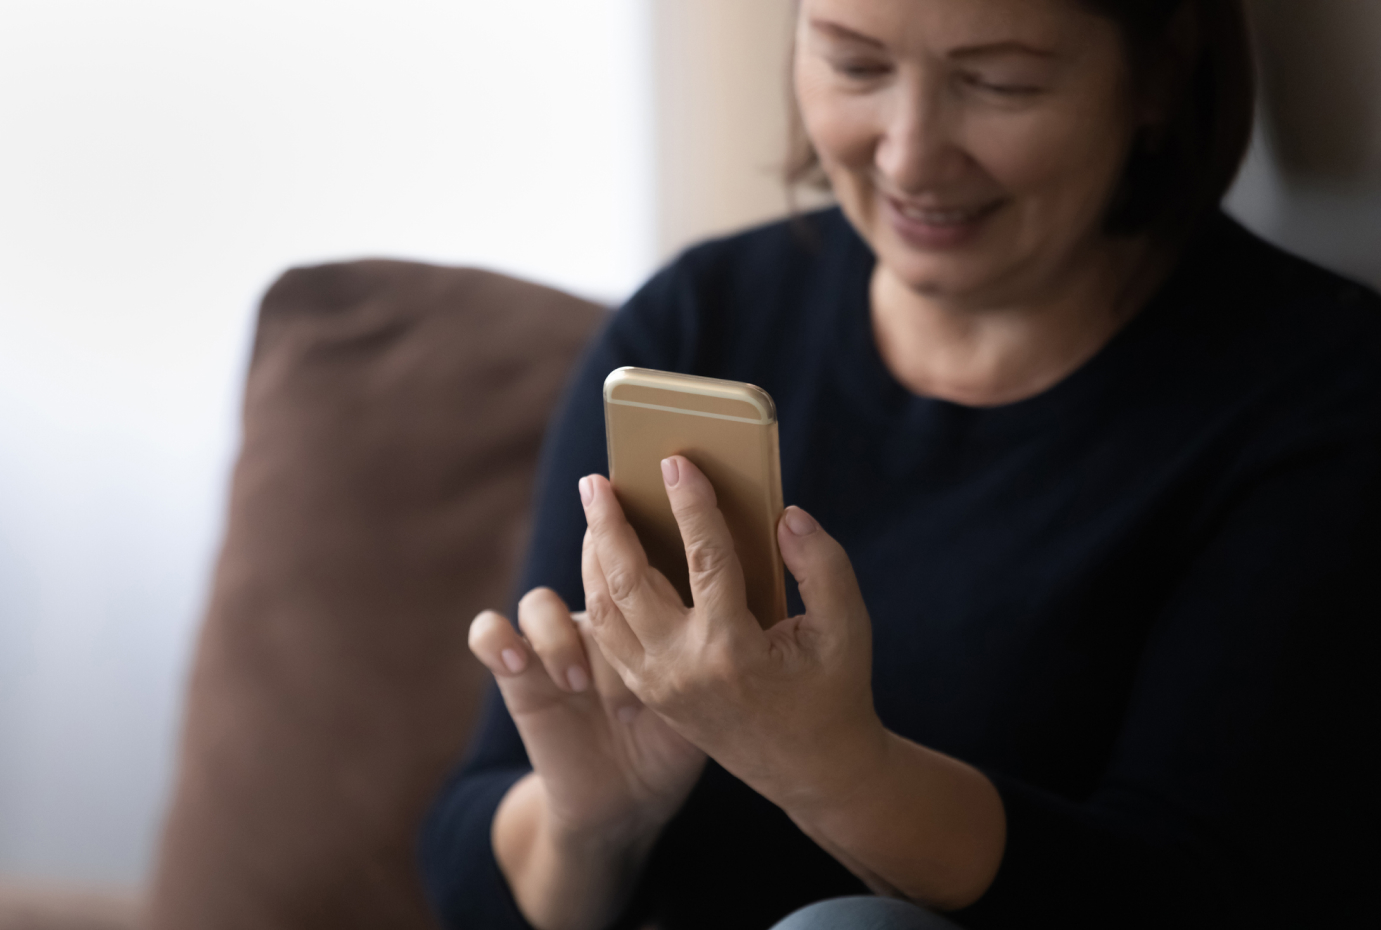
[917, 149]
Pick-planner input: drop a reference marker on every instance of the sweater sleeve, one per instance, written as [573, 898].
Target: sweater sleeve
[463, 879]
[1238, 793]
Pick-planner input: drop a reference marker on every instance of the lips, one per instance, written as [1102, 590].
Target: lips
[943, 216]
[939, 226]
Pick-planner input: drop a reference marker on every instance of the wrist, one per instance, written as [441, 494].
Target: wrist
[609, 846]
[563, 877]
[835, 773]
[924, 823]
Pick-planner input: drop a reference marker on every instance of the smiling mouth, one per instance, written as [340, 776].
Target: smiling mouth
[944, 217]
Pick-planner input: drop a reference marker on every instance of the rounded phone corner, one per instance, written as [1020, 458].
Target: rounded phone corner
[739, 391]
[615, 378]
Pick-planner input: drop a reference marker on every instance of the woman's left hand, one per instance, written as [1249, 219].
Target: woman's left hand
[789, 710]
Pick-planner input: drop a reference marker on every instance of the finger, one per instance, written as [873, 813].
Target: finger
[618, 700]
[820, 566]
[522, 679]
[615, 637]
[628, 578]
[495, 643]
[716, 576]
[546, 622]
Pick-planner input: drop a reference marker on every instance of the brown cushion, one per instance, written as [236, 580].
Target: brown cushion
[30, 906]
[393, 414]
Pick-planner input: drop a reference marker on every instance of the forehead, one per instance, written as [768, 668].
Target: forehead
[938, 26]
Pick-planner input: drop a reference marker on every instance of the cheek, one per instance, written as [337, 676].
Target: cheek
[840, 126]
[1063, 163]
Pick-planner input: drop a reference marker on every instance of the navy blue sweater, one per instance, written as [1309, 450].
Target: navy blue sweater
[1145, 602]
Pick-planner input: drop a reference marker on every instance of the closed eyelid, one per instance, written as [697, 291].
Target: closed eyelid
[855, 61]
[1008, 70]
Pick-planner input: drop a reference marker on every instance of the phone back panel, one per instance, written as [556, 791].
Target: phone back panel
[729, 430]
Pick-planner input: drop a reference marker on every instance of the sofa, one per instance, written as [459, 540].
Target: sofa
[392, 419]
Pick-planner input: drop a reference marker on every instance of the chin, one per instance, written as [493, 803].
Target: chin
[929, 287]
[934, 282]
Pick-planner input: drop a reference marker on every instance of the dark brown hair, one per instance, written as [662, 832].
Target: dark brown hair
[1198, 53]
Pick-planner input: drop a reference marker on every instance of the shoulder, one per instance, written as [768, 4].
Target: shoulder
[1261, 288]
[1278, 318]
[1282, 354]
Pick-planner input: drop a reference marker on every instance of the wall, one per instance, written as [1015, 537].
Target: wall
[722, 91]
[160, 162]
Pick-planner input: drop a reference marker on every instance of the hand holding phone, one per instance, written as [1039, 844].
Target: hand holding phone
[728, 429]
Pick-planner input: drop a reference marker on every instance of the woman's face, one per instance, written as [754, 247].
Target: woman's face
[974, 144]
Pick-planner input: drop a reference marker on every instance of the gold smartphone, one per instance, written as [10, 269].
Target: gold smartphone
[728, 429]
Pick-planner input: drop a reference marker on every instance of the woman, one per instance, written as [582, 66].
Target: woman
[1087, 485]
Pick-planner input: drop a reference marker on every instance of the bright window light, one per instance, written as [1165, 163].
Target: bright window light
[160, 162]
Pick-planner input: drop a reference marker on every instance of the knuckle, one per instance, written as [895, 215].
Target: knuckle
[720, 666]
[707, 557]
[655, 690]
[600, 607]
[621, 583]
[684, 507]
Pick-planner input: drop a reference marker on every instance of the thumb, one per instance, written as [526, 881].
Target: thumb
[821, 568]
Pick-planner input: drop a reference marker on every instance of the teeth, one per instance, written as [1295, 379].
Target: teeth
[939, 217]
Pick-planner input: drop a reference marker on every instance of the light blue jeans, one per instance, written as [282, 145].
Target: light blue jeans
[863, 913]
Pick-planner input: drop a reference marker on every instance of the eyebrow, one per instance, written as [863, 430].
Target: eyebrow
[1009, 47]
[844, 32]
[1006, 47]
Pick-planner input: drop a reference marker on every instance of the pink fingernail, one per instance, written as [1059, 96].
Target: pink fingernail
[799, 522]
[577, 679]
[587, 490]
[671, 472]
[513, 659]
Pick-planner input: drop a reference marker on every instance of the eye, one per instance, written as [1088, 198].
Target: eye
[859, 69]
[998, 87]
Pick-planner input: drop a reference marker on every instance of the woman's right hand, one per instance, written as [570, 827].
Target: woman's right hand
[608, 773]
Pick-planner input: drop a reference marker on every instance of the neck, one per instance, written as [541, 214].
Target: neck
[1003, 352]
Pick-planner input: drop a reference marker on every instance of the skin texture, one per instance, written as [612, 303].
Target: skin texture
[1019, 111]
[975, 145]
[607, 774]
[616, 749]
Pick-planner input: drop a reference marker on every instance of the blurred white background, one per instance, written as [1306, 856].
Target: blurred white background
[160, 162]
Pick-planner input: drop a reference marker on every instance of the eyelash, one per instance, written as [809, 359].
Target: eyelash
[860, 71]
[1008, 90]
[865, 71]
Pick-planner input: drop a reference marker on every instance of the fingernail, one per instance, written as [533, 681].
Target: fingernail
[577, 679]
[587, 490]
[671, 472]
[513, 659]
[799, 522]
[626, 714]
